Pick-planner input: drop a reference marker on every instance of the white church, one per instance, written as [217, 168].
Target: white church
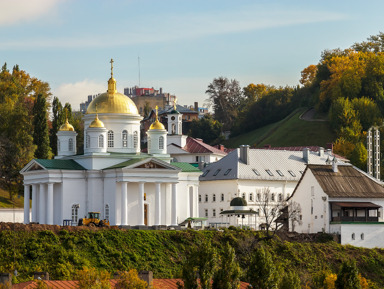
[112, 177]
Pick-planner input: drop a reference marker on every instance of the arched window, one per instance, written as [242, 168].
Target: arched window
[280, 197]
[101, 141]
[353, 236]
[106, 212]
[244, 196]
[135, 139]
[273, 197]
[124, 137]
[251, 197]
[87, 141]
[75, 213]
[110, 139]
[161, 143]
[70, 144]
[222, 197]
[214, 198]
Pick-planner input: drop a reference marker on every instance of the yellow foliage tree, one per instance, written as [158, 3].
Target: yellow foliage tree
[329, 281]
[90, 278]
[131, 280]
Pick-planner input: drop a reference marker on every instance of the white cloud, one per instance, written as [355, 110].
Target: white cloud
[186, 26]
[77, 92]
[17, 11]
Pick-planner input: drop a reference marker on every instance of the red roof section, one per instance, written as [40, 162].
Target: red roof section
[197, 146]
[157, 283]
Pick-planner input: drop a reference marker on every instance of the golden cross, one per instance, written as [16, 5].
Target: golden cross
[111, 67]
[157, 108]
[174, 103]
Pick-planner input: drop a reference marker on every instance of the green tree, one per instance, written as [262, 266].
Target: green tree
[225, 96]
[348, 277]
[199, 267]
[367, 111]
[228, 274]
[57, 120]
[40, 131]
[262, 272]
[206, 128]
[358, 156]
[147, 109]
[90, 278]
[290, 280]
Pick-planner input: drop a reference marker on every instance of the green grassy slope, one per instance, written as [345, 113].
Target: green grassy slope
[63, 253]
[291, 131]
[5, 202]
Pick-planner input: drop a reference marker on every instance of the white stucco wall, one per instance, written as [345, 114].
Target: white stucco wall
[12, 215]
[361, 235]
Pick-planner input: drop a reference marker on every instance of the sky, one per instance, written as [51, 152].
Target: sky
[182, 45]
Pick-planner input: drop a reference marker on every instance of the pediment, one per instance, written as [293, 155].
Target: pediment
[151, 165]
[32, 166]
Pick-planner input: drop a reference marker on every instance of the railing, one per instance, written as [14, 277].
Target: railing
[355, 219]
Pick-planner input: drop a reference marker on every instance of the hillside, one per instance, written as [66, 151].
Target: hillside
[62, 251]
[291, 131]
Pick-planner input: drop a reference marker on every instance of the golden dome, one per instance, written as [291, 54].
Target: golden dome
[112, 101]
[97, 122]
[157, 125]
[66, 126]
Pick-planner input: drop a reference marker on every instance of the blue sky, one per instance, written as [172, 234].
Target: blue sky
[182, 44]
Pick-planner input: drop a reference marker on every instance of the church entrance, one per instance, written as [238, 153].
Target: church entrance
[146, 214]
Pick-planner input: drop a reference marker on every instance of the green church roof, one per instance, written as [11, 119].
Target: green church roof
[238, 202]
[56, 164]
[186, 167]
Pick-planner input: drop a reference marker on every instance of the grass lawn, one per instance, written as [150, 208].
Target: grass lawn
[5, 202]
[290, 131]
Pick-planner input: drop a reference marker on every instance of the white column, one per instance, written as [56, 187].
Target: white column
[34, 203]
[26, 204]
[174, 205]
[50, 204]
[124, 204]
[158, 205]
[141, 204]
[41, 204]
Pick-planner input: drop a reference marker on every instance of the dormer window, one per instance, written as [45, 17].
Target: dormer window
[215, 174]
[292, 173]
[269, 173]
[205, 173]
[256, 172]
[280, 173]
[227, 172]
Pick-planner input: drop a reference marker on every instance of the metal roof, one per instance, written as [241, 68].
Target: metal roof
[186, 167]
[57, 164]
[356, 204]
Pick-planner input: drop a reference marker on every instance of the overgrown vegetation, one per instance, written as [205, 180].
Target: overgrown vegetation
[163, 252]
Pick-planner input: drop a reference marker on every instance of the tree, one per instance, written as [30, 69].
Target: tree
[206, 128]
[225, 96]
[290, 280]
[308, 75]
[228, 274]
[262, 272]
[57, 120]
[40, 131]
[130, 280]
[90, 278]
[374, 44]
[199, 267]
[270, 209]
[147, 109]
[294, 213]
[348, 277]
[358, 156]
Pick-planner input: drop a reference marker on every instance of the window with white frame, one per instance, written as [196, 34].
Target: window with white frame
[75, 213]
[206, 198]
[101, 141]
[70, 144]
[124, 137]
[161, 143]
[135, 139]
[106, 211]
[251, 197]
[244, 196]
[110, 139]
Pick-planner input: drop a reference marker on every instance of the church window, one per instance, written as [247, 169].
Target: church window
[161, 143]
[251, 197]
[244, 196]
[110, 139]
[106, 212]
[214, 198]
[75, 213]
[362, 236]
[353, 236]
[101, 141]
[135, 139]
[70, 144]
[214, 212]
[280, 197]
[273, 197]
[222, 197]
[125, 138]
[206, 198]
[87, 141]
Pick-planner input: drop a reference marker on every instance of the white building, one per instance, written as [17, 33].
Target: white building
[245, 172]
[342, 200]
[113, 176]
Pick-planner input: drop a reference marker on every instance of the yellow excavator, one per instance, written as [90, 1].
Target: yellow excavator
[93, 220]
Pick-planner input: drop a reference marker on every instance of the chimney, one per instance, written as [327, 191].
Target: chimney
[334, 165]
[41, 275]
[196, 106]
[221, 147]
[329, 146]
[146, 276]
[244, 154]
[306, 155]
[6, 280]
[161, 90]
[201, 165]
[321, 151]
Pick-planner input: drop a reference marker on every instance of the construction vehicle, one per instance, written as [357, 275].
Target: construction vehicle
[93, 220]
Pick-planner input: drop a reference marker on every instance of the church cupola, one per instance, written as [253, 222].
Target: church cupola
[157, 137]
[66, 139]
[96, 137]
[175, 120]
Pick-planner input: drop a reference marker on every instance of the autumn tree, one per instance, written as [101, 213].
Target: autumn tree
[40, 131]
[228, 273]
[225, 96]
[130, 280]
[308, 75]
[90, 278]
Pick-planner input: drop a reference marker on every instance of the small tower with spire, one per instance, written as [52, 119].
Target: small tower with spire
[157, 137]
[66, 139]
[175, 124]
[96, 137]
